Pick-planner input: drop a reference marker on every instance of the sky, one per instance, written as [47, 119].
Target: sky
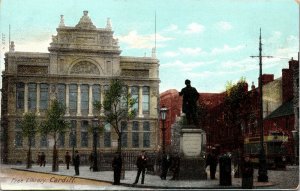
[207, 41]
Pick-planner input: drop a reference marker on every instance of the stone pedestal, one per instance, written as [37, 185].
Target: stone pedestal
[192, 163]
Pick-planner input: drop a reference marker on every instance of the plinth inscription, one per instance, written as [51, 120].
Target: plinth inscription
[191, 145]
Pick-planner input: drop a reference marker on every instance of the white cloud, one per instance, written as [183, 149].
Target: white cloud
[224, 26]
[273, 39]
[191, 51]
[170, 54]
[135, 40]
[184, 52]
[185, 66]
[171, 28]
[37, 45]
[194, 28]
[244, 65]
[226, 49]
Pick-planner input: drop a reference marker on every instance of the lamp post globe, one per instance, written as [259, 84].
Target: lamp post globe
[163, 116]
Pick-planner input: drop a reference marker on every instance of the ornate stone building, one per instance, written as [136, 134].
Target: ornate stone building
[78, 68]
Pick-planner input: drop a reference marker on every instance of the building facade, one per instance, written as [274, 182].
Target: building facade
[77, 70]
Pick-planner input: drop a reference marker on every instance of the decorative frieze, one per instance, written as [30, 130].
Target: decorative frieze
[32, 69]
[135, 73]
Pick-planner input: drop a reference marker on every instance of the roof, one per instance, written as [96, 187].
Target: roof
[285, 109]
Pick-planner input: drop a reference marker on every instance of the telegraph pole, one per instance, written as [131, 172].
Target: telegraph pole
[262, 171]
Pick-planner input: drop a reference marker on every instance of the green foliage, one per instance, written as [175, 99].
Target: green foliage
[118, 106]
[29, 125]
[235, 101]
[55, 122]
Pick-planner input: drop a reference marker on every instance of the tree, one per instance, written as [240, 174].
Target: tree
[53, 126]
[29, 127]
[118, 106]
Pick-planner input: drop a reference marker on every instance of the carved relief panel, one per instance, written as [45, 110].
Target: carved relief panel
[85, 67]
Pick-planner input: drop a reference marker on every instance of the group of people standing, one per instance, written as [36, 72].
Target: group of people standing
[41, 160]
[171, 163]
[247, 169]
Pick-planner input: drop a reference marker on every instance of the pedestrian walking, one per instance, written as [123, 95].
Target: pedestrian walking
[247, 173]
[91, 160]
[117, 167]
[175, 167]
[39, 158]
[212, 162]
[141, 164]
[76, 162]
[165, 164]
[67, 159]
[43, 159]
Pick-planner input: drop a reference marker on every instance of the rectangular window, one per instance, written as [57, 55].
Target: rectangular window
[44, 89]
[61, 93]
[84, 133]
[72, 135]
[95, 124]
[84, 99]
[20, 95]
[124, 97]
[96, 95]
[135, 134]
[135, 96]
[73, 98]
[61, 140]
[146, 136]
[31, 96]
[18, 134]
[146, 100]
[43, 141]
[19, 139]
[124, 134]
[107, 135]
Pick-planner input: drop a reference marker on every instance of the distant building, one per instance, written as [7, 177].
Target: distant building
[77, 70]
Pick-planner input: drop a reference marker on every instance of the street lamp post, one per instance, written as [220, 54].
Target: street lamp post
[262, 171]
[73, 141]
[163, 115]
[95, 133]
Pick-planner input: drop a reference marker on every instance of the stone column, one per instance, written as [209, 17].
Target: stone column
[67, 100]
[102, 100]
[26, 98]
[90, 100]
[38, 98]
[141, 101]
[78, 100]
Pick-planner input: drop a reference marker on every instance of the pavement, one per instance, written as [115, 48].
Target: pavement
[151, 181]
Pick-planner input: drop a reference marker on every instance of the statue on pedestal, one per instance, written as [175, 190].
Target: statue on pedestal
[189, 103]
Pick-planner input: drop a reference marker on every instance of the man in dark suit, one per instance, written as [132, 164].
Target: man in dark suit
[117, 167]
[76, 162]
[67, 159]
[141, 164]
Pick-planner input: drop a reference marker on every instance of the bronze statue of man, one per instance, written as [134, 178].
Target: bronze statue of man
[189, 102]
